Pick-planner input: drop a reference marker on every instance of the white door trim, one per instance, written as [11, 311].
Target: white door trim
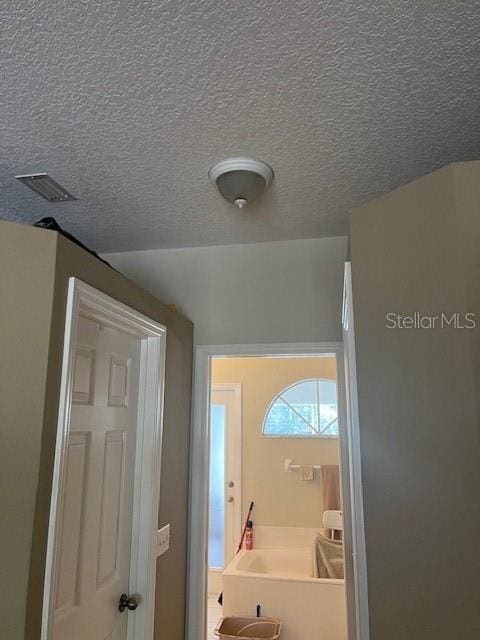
[199, 462]
[236, 389]
[95, 304]
[355, 464]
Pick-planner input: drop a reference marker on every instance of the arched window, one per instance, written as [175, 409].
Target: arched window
[306, 409]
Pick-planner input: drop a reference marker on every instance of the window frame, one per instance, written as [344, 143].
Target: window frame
[296, 436]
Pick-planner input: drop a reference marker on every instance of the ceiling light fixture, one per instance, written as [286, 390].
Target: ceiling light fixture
[46, 186]
[241, 180]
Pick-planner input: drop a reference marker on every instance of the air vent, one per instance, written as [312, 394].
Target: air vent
[46, 186]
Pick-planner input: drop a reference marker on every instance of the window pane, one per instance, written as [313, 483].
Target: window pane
[304, 392]
[331, 429]
[308, 408]
[283, 419]
[328, 407]
[328, 392]
[217, 486]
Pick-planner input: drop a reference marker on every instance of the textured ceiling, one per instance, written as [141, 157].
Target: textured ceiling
[128, 104]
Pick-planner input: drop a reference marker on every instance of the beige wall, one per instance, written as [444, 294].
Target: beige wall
[417, 249]
[281, 499]
[27, 265]
[34, 269]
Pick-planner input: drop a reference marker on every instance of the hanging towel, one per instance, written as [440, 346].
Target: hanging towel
[331, 492]
[327, 558]
[306, 472]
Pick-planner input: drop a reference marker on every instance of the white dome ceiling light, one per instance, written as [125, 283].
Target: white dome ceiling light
[241, 180]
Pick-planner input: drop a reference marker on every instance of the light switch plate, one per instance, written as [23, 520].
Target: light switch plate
[163, 540]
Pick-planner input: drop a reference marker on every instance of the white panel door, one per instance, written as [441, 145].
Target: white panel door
[92, 556]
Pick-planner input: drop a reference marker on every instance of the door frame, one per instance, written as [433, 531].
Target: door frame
[236, 389]
[199, 466]
[361, 612]
[82, 298]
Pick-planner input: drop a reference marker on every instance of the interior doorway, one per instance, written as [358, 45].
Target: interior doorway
[325, 417]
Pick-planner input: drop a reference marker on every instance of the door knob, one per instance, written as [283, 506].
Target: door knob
[230, 499]
[127, 603]
[231, 484]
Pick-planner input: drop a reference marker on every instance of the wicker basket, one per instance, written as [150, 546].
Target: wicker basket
[248, 629]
